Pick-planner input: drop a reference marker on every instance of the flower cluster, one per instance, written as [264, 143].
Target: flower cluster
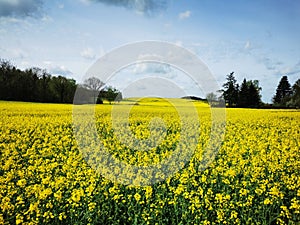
[47, 179]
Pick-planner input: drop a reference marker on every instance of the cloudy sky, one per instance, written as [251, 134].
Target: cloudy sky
[256, 39]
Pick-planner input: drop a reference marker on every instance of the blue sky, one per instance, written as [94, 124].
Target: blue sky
[256, 39]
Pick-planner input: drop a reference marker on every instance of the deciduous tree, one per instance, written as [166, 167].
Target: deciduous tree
[94, 84]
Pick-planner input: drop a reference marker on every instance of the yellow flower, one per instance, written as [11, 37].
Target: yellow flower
[295, 205]
[258, 191]
[179, 189]
[267, 201]
[275, 192]
[58, 195]
[243, 192]
[77, 194]
[233, 215]
[19, 219]
[137, 197]
[92, 206]
[22, 182]
[148, 192]
[62, 216]
[45, 173]
[219, 198]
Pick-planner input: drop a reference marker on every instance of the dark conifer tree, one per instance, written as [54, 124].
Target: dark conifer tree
[230, 91]
[283, 92]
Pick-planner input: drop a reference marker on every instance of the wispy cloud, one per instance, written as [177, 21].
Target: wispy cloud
[61, 6]
[13, 53]
[248, 45]
[279, 68]
[179, 43]
[20, 8]
[290, 70]
[145, 7]
[88, 53]
[184, 15]
[251, 46]
[271, 64]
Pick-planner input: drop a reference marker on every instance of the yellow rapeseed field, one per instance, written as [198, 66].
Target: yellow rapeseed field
[46, 178]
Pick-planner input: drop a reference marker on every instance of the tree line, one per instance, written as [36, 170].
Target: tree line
[287, 95]
[37, 85]
[247, 94]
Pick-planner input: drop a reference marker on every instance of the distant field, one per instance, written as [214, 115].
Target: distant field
[254, 179]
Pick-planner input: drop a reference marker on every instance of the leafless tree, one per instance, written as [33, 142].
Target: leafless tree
[95, 85]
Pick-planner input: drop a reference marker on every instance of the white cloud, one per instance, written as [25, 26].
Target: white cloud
[101, 52]
[57, 69]
[179, 43]
[12, 21]
[153, 86]
[167, 25]
[200, 44]
[145, 57]
[85, 2]
[88, 53]
[184, 15]
[47, 19]
[25, 64]
[150, 68]
[13, 53]
[247, 45]
[18, 53]
[60, 70]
